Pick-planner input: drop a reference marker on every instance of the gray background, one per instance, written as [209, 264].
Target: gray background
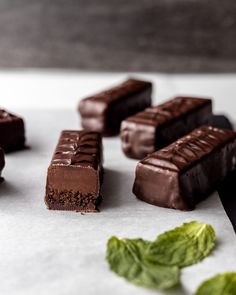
[119, 35]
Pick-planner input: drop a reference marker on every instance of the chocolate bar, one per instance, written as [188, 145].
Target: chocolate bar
[2, 161]
[104, 111]
[75, 173]
[184, 173]
[158, 126]
[12, 131]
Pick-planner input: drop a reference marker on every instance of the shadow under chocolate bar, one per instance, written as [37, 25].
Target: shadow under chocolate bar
[75, 173]
[12, 131]
[187, 171]
[159, 126]
[104, 111]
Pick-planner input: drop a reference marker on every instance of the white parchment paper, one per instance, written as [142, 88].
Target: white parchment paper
[51, 252]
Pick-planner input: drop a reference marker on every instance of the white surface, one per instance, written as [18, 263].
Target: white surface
[48, 252]
[63, 89]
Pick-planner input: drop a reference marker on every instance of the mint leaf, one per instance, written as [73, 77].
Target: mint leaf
[126, 258]
[222, 284]
[182, 246]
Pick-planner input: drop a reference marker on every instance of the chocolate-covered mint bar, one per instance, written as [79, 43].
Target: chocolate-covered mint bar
[104, 111]
[158, 126]
[184, 173]
[12, 131]
[75, 173]
[2, 161]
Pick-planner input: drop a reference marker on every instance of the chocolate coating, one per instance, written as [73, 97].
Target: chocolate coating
[2, 161]
[75, 173]
[187, 171]
[158, 126]
[104, 111]
[12, 131]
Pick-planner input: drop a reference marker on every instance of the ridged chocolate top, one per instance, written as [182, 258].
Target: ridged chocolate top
[168, 111]
[78, 148]
[6, 116]
[191, 148]
[127, 88]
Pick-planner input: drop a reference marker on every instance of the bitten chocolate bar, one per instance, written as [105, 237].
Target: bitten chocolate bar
[12, 131]
[2, 161]
[187, 171]
[104, 111]
[157, 127]
[75, 173]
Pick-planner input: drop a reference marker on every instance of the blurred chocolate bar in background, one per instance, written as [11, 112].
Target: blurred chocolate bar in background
[158, 126]
[104, 112]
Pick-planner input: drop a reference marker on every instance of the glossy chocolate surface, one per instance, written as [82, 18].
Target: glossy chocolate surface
[75, 173]
[104, 111]
[187, 171]
[158, 126]
[12, 131]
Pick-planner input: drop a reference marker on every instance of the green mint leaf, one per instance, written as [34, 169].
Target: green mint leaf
[222, 284]
[126, 258]
[183, 246]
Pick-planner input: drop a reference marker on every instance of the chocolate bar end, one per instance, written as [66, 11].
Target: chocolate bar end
[75, 173]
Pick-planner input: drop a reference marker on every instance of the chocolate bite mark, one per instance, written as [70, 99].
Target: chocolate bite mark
[187, 171]
[75, 174]
[157, 127]
[103, 112]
